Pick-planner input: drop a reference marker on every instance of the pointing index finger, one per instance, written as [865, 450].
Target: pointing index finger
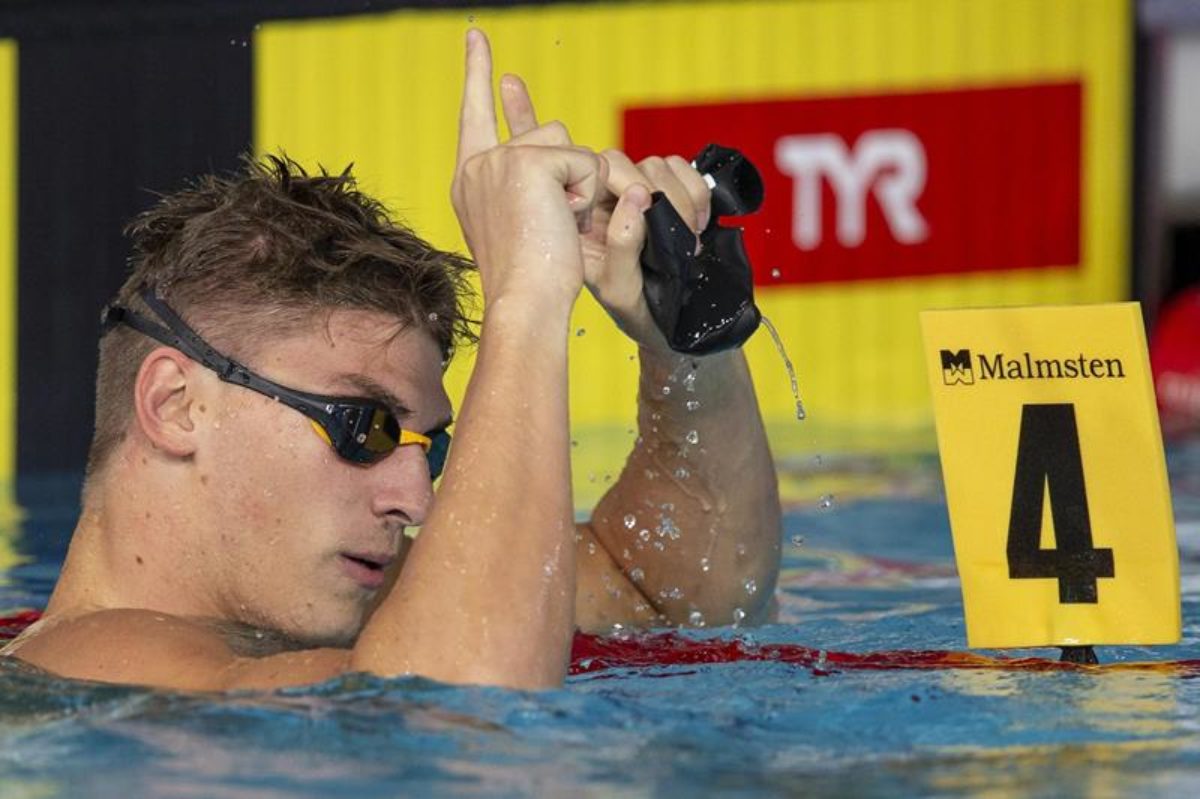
[477, 121]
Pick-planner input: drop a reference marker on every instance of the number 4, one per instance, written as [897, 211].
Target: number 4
[1048, 457]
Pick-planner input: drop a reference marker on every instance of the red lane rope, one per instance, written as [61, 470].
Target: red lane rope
[594, 653]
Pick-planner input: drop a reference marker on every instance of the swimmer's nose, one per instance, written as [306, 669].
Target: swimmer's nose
[403, 489]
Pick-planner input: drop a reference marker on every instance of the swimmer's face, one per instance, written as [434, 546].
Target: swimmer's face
[303, 541]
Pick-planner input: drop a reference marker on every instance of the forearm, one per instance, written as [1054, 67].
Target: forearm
[487, 592]
[701, 483]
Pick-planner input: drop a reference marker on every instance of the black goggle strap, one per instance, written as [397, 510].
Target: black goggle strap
[176, 333]
[348, 426]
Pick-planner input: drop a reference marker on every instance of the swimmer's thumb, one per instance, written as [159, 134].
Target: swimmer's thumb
[627, 227]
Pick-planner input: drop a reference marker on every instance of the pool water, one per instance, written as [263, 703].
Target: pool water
[861, 688]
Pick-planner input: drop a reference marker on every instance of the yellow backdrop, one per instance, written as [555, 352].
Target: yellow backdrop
[8, 271]
[382, 91]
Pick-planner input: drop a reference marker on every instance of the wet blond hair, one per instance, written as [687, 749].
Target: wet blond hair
[256, 255]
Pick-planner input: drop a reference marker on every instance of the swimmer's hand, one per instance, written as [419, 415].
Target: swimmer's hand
[613, 241]
[521, 204]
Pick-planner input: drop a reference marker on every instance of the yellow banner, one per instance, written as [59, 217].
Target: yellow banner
[1055, 475]
[382, 91]
[8, 273]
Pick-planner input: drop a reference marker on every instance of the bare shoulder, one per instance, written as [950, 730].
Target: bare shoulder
[145, 647]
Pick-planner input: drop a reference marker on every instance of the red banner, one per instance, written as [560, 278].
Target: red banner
[896, 185]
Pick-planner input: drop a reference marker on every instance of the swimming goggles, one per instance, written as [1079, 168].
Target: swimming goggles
[362, 431]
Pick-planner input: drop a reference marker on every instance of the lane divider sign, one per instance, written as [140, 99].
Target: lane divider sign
[1055, 475]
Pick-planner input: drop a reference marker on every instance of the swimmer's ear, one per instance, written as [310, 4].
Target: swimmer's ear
[164, 399]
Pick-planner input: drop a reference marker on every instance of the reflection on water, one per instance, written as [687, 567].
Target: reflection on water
[873, 573]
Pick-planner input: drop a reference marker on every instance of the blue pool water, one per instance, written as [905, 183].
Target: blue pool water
[871, 572]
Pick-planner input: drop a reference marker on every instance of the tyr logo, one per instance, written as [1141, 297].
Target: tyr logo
[889, 163]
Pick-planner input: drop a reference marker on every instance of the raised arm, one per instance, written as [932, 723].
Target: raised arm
[487, 593]
[690, 533]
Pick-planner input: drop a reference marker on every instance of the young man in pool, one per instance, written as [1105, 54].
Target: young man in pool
[270, 415]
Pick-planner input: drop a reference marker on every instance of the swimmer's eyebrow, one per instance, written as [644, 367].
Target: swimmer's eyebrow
[366, 387]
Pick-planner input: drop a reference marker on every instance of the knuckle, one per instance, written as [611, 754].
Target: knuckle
[556, 129]
[653, 164]
[681, 163]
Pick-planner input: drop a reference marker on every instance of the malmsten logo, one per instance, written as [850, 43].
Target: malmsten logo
[958, 367]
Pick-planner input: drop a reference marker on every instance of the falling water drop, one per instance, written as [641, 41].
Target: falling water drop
[787, 363]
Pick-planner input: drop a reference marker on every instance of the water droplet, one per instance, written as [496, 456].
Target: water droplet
[825, 502]
[580, 331]
[433, 317]
[644, 534]
[660, 546]
[775, 273]
[692, 437]
[689, 381]
[666, 390]
[751, 586]
[692, 405]
[630, 521]
[738, 615]
[636, 575]
[705, 564]
[682, 473]
[798, 540]
[696, 618]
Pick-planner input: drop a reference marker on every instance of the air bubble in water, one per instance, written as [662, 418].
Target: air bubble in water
[692, 404]
[751, 586]
[644, 534]
[433, 317]
[580, 331]
[682, 473]
[636, 575]
[825, 502]
[689, 381]
[738, 615]
[705, 564]
[692, 437]
[666, 390]
[630, 521]
[696, 618]
[798, 540]
[775, 273]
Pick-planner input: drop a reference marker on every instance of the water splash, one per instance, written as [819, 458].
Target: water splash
[791, 370]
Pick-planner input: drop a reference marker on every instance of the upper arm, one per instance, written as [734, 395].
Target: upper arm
[604, 593]
[147, 648]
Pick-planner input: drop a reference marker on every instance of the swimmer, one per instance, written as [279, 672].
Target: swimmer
[270, 417]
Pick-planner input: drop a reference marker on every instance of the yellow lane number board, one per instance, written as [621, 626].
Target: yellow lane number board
[1055, 476]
